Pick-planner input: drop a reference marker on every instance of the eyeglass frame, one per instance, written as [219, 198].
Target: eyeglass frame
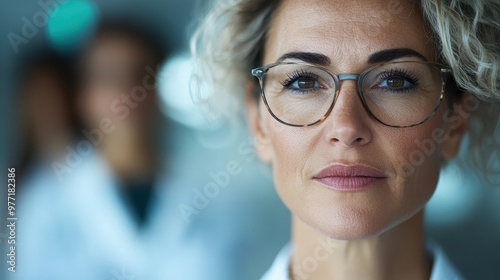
[260, 72]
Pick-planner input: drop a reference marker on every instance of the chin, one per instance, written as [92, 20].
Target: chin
[352, 229]
[353, 224]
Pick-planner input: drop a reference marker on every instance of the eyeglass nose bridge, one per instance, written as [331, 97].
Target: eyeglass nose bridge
[344, 77]
[347, 77]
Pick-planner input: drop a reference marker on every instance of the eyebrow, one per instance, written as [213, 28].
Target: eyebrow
[391, 54]
[309, 57]
[378, 57]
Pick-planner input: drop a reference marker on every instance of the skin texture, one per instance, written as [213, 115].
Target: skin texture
[372, 226]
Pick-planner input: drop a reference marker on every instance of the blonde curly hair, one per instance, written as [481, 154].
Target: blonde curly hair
[229, 42]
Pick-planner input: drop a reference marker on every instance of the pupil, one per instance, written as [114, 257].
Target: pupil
[395, 82]
[305, 83]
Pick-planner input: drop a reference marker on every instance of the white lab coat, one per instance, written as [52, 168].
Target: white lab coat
[81, 229]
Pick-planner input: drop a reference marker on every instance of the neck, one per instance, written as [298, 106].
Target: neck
[398, 253]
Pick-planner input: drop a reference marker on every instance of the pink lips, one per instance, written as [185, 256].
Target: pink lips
[349, 178]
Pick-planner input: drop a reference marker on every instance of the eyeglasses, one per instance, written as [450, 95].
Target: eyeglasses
[397, 94]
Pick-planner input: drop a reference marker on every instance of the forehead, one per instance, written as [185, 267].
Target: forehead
[346, 31]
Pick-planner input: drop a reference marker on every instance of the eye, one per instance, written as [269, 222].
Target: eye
[395, 82]
[301, 81]
[305, 83]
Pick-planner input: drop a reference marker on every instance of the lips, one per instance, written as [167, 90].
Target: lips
[349, 178]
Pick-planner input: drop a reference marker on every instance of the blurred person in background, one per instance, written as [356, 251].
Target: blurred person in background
[47, 110]
[111, 208]
[117, 104]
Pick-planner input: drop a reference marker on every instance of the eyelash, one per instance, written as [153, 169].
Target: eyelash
[411, 77]
[292, 77]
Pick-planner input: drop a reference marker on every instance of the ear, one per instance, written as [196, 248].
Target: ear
[256, 122]
[457, 119]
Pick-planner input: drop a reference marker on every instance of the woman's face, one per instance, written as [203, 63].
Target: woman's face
[349, 140]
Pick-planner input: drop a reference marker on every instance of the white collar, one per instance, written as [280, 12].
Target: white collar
[442, 268]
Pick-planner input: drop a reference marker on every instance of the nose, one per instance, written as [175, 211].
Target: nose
[349, 123]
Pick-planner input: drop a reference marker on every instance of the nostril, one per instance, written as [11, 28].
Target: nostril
[349, 141]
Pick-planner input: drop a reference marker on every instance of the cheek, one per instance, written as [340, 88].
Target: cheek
[415, 166]
[288, 149]
[289, 159]
[416, 152]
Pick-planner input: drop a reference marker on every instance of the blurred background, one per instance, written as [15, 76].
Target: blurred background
[119, 174]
